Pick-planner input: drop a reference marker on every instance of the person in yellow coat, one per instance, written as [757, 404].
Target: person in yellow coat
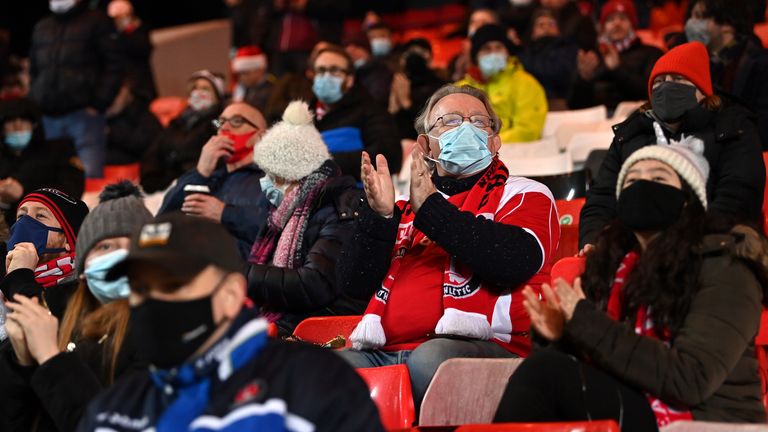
[516, 96]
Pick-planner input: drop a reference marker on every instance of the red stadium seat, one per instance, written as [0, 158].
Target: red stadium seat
[569, 212]
[761, 30]
[390, 388]
[114, 174]
[594, 426]
[320, 330]
[167, 108]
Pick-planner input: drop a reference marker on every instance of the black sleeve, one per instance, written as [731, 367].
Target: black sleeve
[582, 93]
[739, 178]
[309, 287]
[365, 258]
[112, 57]
[154, 172]
[600, 207]
[705, 350]
[65, 385]
[501, 254]
[18, 405]
[20, 281]
[380, 137]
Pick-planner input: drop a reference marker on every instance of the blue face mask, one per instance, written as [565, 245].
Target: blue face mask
[380, 46]
[273, 194]
[464, 150]
[29, 230]
[696, 30]
[18, 140]
[491, 64]
[327, 88]
[96, 271]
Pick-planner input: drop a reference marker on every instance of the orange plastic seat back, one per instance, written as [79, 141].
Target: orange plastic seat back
[320, 330]
[594, 426]
[761, 30]
[167, 108]
[568, 269]
[113, 174]
[390, 388]
[569, 212]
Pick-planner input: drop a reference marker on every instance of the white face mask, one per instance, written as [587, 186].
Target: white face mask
[61, 6]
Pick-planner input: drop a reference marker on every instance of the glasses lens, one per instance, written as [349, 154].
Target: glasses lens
[452, 120]
[236, 121]
[480, 121]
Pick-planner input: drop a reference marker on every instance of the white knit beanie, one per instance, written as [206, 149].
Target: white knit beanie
[293, 148]
[686, 157]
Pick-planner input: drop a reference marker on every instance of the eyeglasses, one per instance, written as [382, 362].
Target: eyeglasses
[235, 121]
[453, 120]
[333, 70]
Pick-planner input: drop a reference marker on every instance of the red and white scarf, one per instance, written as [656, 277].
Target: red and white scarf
[56, 271]
[643, 326]
[468, 308]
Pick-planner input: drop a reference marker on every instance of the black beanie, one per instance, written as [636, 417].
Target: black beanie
[69, 212]
[488, 33]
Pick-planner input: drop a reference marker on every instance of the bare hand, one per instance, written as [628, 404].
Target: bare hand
[546, 316]
[568, 296]
[587, 62]
[40, 327]
[298, 5]
[421, 180]
[611, 57]
[586, 250]
[216, 148]
[378, 186]
[18, 340]
[23, 255]
[10, 190]
[203, 205]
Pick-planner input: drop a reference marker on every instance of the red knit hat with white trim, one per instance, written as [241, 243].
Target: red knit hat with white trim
[248, 58]
[690, 60]
[619, 6]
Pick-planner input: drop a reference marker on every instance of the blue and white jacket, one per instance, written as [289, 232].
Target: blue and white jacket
[244, 382]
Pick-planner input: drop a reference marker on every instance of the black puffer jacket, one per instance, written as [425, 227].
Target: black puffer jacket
[177, 148]
[130, 133]
[731, 146]
[75, 61]
[311, 290]
[357, 109]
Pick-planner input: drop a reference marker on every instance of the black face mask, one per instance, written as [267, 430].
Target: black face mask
[670, 100]
[415, 66]
[647, 206]
[167, 333]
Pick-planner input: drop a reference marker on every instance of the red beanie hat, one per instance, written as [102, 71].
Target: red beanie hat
[690, 60]
[614, 6]
[249, 58]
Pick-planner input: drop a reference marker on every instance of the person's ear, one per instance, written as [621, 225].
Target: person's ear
[231, 296]
[349, 81]
[423, 142]
[310, 74]
[494, 143]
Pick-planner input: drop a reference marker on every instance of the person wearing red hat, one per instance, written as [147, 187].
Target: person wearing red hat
[619, 71]
[254, 85]
[683, 103]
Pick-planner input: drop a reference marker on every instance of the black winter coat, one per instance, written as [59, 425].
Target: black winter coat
[628, 82]
[177, 148]
[311, 290]
[42, 164]
[357, 109]
[130, 133]
[552, 61]
[731, 146]
[75, 61]
[138, 51]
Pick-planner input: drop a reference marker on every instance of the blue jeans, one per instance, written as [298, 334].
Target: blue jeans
[425, 359]
[89, 133]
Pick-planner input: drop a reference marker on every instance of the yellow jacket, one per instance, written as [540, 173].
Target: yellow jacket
[518, 99]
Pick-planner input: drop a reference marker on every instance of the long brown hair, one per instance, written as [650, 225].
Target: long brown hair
[86, 318]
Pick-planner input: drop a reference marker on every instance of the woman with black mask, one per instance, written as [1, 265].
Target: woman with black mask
[683, 104]
[664, 327]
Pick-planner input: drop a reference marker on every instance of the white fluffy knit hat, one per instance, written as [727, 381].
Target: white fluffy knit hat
[686, 157]
[292, 148]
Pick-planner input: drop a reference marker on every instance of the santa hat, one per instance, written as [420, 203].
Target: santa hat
[293, 148]
[248, 58]
[619, 6]
[686, 157]
[690, 60]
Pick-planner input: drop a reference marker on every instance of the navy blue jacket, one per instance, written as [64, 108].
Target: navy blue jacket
[240, 190]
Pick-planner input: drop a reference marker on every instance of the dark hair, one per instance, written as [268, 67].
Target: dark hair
[336, 50]
[666, 276]
[734, 13]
